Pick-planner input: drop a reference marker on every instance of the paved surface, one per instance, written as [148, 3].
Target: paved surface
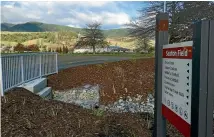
[66, 61]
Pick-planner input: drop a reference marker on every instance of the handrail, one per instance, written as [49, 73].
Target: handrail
[26, 54]
[17, 69]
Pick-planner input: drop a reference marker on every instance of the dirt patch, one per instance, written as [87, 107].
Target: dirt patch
[124, 78]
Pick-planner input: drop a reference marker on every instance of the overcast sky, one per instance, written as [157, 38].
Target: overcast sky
[113, 14]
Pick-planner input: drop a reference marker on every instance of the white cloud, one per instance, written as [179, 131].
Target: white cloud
[72, 13]
[75, 26]
[8, 6]
[103, 17]
[118, 18]
[89, 3]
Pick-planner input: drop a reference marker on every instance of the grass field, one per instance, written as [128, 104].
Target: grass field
[125, 42]
[10, 43]
[133, 55]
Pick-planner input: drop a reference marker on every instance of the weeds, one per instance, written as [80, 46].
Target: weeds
[119, 71]
[114, 89]
[126, 90]
[55, 111]
[28, 123]
[24, 102]
[133, 60]
[98, 112]
[5, 99]
[99, 65]
[79, 122]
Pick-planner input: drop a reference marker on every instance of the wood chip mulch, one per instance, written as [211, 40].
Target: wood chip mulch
[124, 78]
[24, 114]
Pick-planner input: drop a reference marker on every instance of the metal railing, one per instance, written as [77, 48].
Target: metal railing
[17, 69]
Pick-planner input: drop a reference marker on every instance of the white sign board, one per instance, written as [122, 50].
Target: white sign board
[176, 80]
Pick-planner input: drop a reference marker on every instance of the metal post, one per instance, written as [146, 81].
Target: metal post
[40, 65]
[1, 78]
[200, 76]
[164, 8]
[56, 63]
[161, 39]
[210, 94]
[22, 68]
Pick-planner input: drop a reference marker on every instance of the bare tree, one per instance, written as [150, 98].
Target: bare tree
[181, 17]
[93, 36]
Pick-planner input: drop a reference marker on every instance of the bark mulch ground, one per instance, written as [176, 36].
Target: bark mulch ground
[24, 114]
[116, 79]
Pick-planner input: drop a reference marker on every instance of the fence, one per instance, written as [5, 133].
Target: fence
[20, 68]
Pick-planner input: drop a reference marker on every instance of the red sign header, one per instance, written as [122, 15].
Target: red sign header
[178, 52]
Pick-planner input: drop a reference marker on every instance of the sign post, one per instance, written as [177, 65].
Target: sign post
[210, 95]
[202, 80]
[184, 77]
[161, 38]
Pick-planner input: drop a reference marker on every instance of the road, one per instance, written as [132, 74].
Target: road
[66, 61]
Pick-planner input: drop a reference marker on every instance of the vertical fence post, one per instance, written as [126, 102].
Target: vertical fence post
[1, 78]
[22, 68]
[56, 63]
[40, 65]
[161, 38]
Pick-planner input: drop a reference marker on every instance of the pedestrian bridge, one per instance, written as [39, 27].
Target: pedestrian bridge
[27, 70]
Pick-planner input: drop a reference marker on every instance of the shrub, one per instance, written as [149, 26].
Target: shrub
[151, 49]
[32, 47]
[19, 47]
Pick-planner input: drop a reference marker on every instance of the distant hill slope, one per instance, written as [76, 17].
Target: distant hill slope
[116, 33]
[42, 27]
[6, 26]
[36, 27]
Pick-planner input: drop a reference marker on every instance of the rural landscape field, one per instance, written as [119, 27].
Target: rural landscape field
[49, 37]
[88, 68]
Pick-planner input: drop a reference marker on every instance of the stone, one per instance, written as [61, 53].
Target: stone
[87, 86]
[86, 96]
[120, 107]
[120, 101]
[122, 104]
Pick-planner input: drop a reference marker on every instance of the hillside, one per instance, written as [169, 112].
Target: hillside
[43, 27]
[36, 27]
[6, 26]
[116, 33]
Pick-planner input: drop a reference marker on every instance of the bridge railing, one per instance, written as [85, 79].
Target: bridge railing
[17, 69]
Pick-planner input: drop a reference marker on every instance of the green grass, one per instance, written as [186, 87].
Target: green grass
[132, 55]
[98, 112]
[10, 43]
